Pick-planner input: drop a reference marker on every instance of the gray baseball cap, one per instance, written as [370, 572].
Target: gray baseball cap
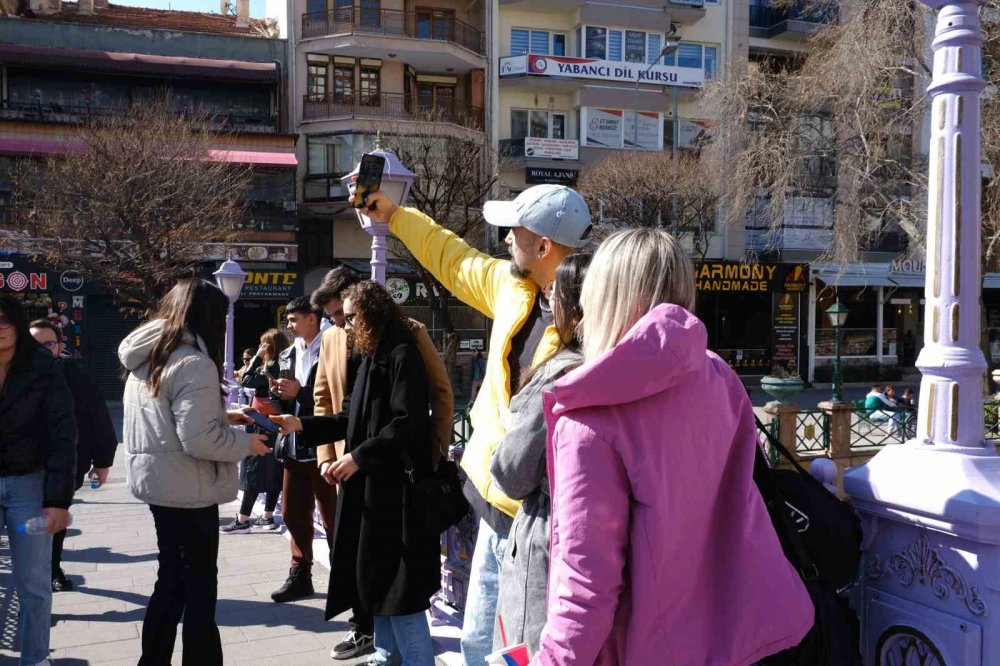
[556, 212]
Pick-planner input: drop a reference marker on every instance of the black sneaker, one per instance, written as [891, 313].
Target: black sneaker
[298, 585]
[354, 643]
[266, 523]
[236, 527]
[60, 583]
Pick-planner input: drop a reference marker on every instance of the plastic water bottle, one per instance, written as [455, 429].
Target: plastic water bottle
[95, 481]
[36, 525]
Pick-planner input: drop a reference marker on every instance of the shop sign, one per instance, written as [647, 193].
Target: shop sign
[555, 149]
[281, 252]
[539, 175]
[413, 292]
[18, 281]
[269, 284]
[724, 276]
[71, 281]
[909, 266]
[601, 70]
[648, 135]
[786, 332]
[602, 128]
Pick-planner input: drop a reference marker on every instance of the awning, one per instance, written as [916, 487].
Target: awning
[261, 158]
[138, 63]
[47, 148]
[857, 275]
[392, 267]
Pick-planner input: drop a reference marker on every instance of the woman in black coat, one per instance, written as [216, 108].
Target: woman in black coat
[383, 554]
[37, 469]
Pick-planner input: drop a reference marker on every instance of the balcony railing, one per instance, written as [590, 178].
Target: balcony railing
[394, 22]
[390, 106]
[767, 17]
[85, 113]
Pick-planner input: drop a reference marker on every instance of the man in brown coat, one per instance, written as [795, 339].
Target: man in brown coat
[334, 377]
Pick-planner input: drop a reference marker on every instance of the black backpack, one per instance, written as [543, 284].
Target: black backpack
[820, 535]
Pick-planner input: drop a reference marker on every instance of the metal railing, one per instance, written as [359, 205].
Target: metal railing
[390, 106]
[880, 427]
[417, 25]
[812, 432]
[991, 419]
[765, 16]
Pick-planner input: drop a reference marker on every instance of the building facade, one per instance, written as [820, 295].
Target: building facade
[63, 65]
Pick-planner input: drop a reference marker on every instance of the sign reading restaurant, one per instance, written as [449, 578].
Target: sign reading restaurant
[602, 70]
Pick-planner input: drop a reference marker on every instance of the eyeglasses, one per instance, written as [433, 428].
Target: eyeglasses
[51, 344]
[6, 322]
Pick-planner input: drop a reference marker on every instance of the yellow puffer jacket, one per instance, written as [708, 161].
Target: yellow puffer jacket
[486, 284]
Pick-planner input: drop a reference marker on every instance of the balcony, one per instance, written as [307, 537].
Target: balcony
[390, 106]
[240, 123]
[767, 22]
[393, 23]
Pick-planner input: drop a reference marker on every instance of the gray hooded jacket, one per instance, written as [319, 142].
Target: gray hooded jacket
[182, 452]
[518, 467]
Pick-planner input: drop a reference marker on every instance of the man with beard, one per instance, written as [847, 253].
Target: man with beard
[547, 223]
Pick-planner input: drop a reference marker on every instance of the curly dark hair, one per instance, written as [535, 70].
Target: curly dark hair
[374, 312]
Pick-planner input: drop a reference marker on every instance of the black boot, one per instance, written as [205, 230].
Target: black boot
[298, 585]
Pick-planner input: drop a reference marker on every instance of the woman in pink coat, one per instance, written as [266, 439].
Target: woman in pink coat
[662, 550]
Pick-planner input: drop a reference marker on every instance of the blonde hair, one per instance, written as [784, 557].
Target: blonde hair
[632, 272]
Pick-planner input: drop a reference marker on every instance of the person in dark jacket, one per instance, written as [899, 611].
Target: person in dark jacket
[96, 438]
[37, 468]
[303, 488]
[518, 467]
[262, 474]
[384, 556]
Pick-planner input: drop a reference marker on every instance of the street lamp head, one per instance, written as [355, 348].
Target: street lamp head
[396, 181]
[230, 278]
[671, 45]
[838, 314]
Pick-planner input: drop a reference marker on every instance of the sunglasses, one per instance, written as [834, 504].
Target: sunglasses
[6, 322]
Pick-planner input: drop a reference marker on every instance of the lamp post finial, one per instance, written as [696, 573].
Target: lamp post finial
[378, 140]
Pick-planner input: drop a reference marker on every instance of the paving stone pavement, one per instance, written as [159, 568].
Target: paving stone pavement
[110, 555]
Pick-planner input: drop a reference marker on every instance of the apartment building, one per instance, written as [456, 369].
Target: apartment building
[64, 65]
[577, 80]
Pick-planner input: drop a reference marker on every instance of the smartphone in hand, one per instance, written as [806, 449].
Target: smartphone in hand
[262, 421]
[369, 178]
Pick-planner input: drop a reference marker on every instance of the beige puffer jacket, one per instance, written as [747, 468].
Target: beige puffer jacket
[181, 451]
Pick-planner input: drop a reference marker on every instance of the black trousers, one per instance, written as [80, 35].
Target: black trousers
[186, 587]
[58, 539]
[250, 498]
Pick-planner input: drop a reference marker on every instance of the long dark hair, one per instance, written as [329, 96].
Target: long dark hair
[566, 310]
[196, 307]
[375, 312]
[25, 345]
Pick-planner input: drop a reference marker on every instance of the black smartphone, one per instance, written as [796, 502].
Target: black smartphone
[369, 178]
[262, 421]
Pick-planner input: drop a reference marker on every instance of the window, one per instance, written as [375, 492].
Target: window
[316, 7]
[316, 77]
[701, 57]
[542, 42]
[344, 11]
[537, 123]
[328, 157]
[343, 83]
[370, 13]
[438, 98]
[596, 43]
[435, 24]
[370, 86]
[635, 46]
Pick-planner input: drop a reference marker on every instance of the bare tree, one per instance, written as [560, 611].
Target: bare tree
[839, 124]
[455, 174]
[656, 190]
[136, 202]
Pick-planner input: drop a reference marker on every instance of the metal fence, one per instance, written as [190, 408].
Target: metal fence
[812, 432]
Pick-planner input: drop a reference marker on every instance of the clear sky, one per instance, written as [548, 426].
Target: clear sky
[256, 6]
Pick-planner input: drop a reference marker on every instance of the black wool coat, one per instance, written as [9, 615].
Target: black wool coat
[97, 441]
[383, 555]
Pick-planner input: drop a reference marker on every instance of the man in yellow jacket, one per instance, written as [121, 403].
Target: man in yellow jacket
[548, 223]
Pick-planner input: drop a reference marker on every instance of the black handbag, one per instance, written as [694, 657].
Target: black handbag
[819, 519]
[437, 497]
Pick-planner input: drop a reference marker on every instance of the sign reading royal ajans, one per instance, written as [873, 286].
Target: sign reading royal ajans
[602, 70]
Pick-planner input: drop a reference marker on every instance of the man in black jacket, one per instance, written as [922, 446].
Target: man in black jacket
[303, 486]
[96, 442]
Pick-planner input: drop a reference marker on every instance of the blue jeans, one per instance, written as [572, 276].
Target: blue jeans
[31, 554]
[403, 636]
[484, 588]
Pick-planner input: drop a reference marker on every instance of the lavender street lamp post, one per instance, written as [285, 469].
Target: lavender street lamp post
[396, 182]
[230, 278]
[929, 587]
